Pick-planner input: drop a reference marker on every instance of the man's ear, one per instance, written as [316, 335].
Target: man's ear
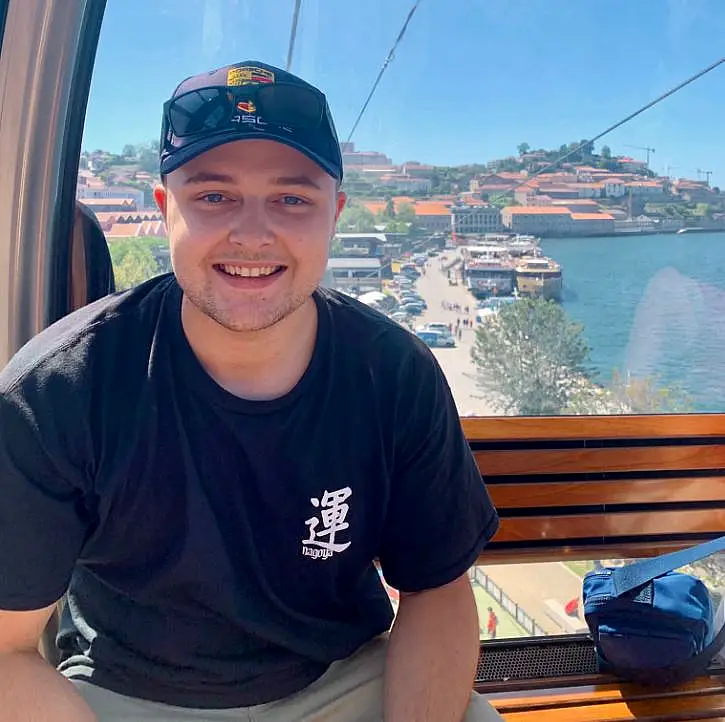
[161, 197]
[341, 201]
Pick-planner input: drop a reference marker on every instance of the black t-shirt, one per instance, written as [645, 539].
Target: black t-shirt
[218, 552]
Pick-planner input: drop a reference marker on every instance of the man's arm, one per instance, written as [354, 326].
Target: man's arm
[30, 689]
[432, 655]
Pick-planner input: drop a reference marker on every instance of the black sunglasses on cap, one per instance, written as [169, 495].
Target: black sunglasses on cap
[211, 109]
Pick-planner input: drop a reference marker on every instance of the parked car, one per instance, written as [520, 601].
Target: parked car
[413, 298]
[438, 326]
[435, 339]
[413, 309]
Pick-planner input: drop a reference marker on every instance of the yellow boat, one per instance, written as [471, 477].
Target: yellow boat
[539, 276]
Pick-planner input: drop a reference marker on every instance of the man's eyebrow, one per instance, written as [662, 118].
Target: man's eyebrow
[206, 177]
[296, 180]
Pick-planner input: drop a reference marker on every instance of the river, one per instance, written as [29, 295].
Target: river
[652, 306]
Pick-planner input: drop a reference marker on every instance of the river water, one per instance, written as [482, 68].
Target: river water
[651, 305]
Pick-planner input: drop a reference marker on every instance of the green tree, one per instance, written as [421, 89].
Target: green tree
[523, 148]
[129, 151]
[394, 225]
[406, 213]
[389, 211]
[147, 156]
[356, 219]
[133, 262]
[335, 247]
[531, 358]
[587, 150]
[646, 396]
[606, 152]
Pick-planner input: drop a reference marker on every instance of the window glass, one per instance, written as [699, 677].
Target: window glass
[524, 600]
[575, 277]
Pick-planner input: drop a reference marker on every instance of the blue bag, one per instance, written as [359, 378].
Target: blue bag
[650, 624]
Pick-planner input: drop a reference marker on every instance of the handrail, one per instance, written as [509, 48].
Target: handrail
[516, 611]
[545, 428]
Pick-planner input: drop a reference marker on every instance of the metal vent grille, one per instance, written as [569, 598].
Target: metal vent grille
[535, 660]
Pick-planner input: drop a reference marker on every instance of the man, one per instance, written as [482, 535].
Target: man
[211, 462]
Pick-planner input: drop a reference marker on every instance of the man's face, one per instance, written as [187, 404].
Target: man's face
[249, 226]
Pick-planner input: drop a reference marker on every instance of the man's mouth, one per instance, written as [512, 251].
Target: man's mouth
[249, 271]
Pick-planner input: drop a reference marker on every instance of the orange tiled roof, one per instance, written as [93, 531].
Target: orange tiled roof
[432, 208]
[123, 230]
[375, 206]
[536, 210]
[592, 217]
[516, 175]
[108, 202]
[128, 216]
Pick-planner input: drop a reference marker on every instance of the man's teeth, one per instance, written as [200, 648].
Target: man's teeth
[249, 272]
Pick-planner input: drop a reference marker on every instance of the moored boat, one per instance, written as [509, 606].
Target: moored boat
[540, 276]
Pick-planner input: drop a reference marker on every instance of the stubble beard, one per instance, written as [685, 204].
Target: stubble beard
[256, 315]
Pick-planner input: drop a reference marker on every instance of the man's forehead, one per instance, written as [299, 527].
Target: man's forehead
[258, 157]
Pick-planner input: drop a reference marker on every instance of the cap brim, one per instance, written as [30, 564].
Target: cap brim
[190, 151]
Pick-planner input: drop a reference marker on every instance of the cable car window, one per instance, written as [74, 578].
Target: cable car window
[541, 189]
[568, 189]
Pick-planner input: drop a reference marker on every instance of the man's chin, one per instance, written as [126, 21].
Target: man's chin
[258, 318]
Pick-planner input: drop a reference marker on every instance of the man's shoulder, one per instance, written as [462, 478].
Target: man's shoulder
[64, 345]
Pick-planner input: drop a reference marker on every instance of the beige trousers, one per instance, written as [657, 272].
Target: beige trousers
[350, 691]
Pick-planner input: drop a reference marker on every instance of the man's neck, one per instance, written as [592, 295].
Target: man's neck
[259, 365]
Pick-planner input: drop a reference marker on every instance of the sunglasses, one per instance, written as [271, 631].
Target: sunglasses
[207, 110]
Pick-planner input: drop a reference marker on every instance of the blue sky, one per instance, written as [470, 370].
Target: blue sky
[471, 79]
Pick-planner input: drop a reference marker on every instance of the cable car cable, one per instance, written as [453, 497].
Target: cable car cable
[384, 67]
[293, 34]
[620, 123]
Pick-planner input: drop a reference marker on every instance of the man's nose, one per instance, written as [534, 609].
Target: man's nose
[252, 225]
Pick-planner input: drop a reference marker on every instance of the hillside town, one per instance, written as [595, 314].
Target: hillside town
[590, 195]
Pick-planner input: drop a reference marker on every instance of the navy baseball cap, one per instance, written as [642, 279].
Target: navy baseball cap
[248, 100]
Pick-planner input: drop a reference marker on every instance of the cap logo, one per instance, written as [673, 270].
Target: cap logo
[246, 106]
[249, 75]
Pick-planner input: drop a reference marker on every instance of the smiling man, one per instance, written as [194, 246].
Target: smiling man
[210, 463]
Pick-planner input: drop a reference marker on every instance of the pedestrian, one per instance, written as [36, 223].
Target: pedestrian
[460, 333]
[492, 624]
[185, 493]
[571, 608]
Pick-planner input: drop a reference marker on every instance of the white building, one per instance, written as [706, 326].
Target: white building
[361, 244]
[588, 190]
[614, 188]
[103, 192]
[475, 219]
[631, 165]
[353, 274]
[406, 183]
[648, 189]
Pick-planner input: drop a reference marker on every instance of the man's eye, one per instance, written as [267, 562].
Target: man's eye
[213, 198]
[293, 201]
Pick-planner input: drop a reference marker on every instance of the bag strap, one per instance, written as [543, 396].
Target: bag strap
[631, 576]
